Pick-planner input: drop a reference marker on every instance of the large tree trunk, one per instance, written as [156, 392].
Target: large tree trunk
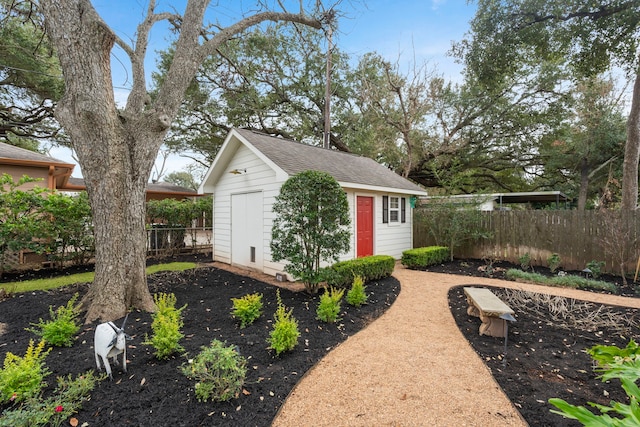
[115, 161]
[584, 185]
[632, 152]
[117, 149]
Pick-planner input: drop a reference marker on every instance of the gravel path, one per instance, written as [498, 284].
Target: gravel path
[412, 367]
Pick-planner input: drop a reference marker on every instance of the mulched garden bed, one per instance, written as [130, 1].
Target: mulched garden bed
[545, 357]
[546, 345]
[155, 393]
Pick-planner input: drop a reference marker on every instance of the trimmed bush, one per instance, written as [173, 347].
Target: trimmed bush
[424, 257]
[374, 267]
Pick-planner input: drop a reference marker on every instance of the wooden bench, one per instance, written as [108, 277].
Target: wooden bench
[493, 313]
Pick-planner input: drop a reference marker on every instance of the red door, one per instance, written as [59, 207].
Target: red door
[364, 231]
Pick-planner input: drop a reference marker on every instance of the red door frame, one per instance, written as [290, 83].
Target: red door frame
[364, 226]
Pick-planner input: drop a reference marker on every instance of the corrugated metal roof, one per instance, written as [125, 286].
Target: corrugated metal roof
[294, 157]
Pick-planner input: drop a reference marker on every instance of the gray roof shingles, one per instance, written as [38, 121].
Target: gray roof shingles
[294, 157]
[8, 151]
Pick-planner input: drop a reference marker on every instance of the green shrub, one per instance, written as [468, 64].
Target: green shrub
[525, 261]
[357, 294]
[67, 398]
[166, 326]
[248, 308]
[329, 306]
[424, 257]
[284, 335]
[568, 281]
[374, 267]
[595, 267]
[310, 226]
[554, 262]
[23, 377]
[63, 326]
[613, 362]
[219, 372]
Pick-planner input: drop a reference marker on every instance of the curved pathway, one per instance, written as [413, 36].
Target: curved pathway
[412, 366]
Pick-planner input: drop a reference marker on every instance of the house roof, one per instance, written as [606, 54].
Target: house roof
[506, 198]
[58, 169]
[164, 188]
[11, 152]
[350, 170]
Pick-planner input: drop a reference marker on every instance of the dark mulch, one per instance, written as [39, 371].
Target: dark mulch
[545, 356]
[543, 359]
[155, 393]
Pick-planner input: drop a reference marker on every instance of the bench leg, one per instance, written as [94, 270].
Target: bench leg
[472, 310]
[493, 326]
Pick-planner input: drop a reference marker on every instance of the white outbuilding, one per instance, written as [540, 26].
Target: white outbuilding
[245, 179]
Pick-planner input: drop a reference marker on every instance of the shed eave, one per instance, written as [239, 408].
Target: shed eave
[381, 189]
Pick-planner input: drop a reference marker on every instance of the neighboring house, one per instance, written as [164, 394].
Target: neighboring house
[502, 201]
[155, 191]
[246, 177]
[55, 174]
[52, 173]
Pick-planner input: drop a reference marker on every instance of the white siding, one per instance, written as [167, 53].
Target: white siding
[392, 239]
[258, 177]
[389, 239]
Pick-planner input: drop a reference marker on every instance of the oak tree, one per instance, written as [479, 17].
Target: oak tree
[116, 148]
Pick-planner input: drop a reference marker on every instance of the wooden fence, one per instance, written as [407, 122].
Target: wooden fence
[578, 237]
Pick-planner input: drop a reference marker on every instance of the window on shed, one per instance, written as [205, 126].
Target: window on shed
[394, 209]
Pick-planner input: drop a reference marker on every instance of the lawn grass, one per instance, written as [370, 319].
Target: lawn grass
[58, 282]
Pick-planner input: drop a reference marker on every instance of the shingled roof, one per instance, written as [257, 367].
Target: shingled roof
[162, 188]
[17, 154]
[294, 157]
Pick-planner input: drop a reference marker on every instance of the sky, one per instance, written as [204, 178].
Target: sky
[403, 31]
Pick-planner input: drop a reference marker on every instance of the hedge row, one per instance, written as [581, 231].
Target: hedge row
[424, 257]
[373, 267]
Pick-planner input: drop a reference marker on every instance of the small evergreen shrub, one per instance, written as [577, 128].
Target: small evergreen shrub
[370, 268]
[357, 295]
[219, 372]
[23, 377]
[166, 326]
[554, 262]
[67, 398]
[63, 326]
[248, 308]
[596, 268]
[284, 335]
[424, 257]
[329, 306]
[525, 261]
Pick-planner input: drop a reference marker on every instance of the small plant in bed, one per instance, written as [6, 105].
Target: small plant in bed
[166, 326]
[61, 329]
[568, 281]
[248, 308]
[329, 305]
[357, 295]
[219, 371]
[285, 333]
[613, 362]
[23, 377]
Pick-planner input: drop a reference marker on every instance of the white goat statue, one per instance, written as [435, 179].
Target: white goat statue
[110, 341]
